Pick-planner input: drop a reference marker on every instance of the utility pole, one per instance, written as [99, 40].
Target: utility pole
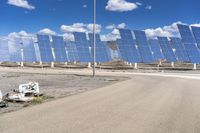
[94, 40]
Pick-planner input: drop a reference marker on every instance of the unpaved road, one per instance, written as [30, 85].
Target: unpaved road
[143, 104]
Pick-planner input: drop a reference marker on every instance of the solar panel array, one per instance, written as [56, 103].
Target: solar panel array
[143, 46]
[102, 52]
[189, 43]
[134, 47]
[127, 47]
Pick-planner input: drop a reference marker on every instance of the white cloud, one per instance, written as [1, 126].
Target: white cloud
[120, 5]
[138, 3]
[148, 7]
[109, 37]
[18, 34]
[47, 31]
[113, 26]
[80, 27]
[21, 3]
[166, 31]
[121, 26]
[110, 27]
[114, 34]
[90, 28]
[14, 40]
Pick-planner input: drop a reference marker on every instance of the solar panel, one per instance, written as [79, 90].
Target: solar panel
[102, 51]
[167, 49]
[155, 47]
[29, 54]
[180, 51]
[143, 46]
[72, 53]
[59, 49]
[186, 34]
[44, 45]
[82, 46]
[189, 43]
[196, 32]
[15, 46]
[4, 52]
[127, 47]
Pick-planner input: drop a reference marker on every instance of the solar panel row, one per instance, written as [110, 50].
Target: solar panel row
[170, 49]
[134, 47]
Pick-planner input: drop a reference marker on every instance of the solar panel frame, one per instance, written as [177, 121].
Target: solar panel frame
[127, 47]
[82, 45]
[196, 33]
[102, 51]
[180, 51]
[45, 48]
[143, 46]
[15, 46]
[29, 54]
[4, 50]
[156, 49]
[59, 49]
[167, 49]
[72, 53]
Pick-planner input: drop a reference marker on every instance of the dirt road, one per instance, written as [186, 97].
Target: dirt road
[143, 104]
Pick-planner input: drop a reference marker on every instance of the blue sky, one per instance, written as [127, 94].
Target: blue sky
[34, 15]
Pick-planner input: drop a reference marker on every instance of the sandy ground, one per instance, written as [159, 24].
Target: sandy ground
[52, 85]
[142, 104]
[145, 103]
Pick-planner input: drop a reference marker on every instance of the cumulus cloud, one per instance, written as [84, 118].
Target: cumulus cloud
[21, 3]
[114, 34]
[166, 31]
[47, 31]
[120, 5]
[80, 27]
[113, 26]
[121, 26]
[22, 33]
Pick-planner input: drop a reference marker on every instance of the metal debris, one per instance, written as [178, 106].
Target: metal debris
[18, 97]
[25, 92]
[29, 88]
